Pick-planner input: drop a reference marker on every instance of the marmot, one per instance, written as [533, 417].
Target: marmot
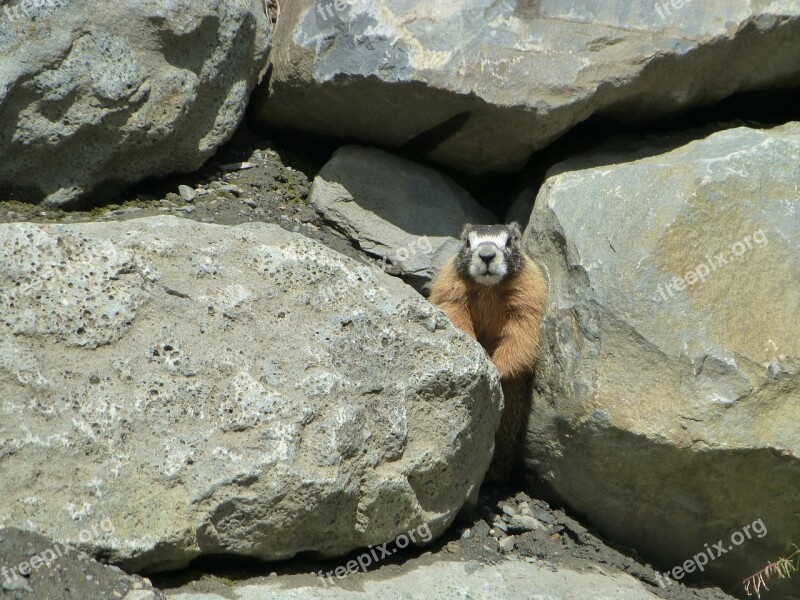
[496, 294]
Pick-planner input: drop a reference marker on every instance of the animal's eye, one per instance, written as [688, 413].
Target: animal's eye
[508, 242]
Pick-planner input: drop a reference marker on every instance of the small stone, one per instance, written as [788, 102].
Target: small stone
[493, 532]
[240, 166]
[523, 523]
[500, 525]
[230, 188]
[464, 536]
[17, 585]
[545, 517]
[509, 510]
[187, 193]
[507, 544]
[249, 202]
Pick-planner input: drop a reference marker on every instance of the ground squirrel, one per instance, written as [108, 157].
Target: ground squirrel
[496, 294]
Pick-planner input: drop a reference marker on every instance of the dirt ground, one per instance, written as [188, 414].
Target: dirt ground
[274, 189]
[60, 572]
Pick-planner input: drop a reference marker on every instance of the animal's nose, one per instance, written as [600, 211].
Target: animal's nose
[487, 253]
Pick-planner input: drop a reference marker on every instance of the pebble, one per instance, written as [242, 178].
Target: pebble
[466, 535]
[509, 510]
[187, 193]
[545, 517]
[229, 187]
[187, 209]
[240, 166]
[249, 202]
[523, 523]
[17, 585]
[500, 525]
[507, 544]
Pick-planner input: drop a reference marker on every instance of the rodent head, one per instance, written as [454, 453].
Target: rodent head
[490, 253]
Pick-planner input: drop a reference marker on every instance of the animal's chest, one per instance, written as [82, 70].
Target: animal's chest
[488, 312]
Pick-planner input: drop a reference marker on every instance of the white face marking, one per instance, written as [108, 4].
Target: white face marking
[498, 240]
[482, 268]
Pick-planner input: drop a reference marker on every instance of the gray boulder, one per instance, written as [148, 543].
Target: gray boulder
[94, 96]
[405, 215]
[668, 392]
[242, 390]
[479, 85]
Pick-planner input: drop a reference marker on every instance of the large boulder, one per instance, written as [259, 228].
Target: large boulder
[97, 95]
[207, 389]
[479, 84]
[668, 391]
[406, 216]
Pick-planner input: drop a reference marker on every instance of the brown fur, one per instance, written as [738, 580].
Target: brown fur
[505, 320]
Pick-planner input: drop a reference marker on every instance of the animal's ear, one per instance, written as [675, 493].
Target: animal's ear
[515, 230]
[465, 232]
